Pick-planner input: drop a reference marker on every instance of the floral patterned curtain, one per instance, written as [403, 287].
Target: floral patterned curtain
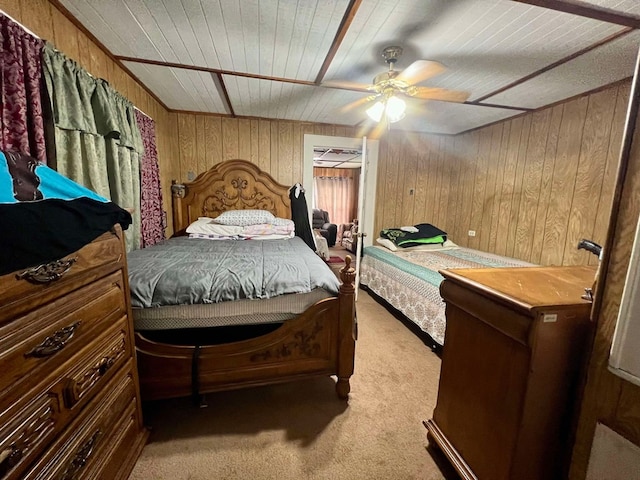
[21, 127]
[151, 213]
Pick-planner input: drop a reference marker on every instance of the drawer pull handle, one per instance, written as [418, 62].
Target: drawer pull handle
[9, 458]
[105, 364]
[79, 386]
[54, 343]
[48, 272]
[81, 458]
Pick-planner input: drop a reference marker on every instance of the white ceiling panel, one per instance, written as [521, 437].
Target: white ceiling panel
[279, 38]
[486, 44]
[606, 64]
[181, 89]
[115, 26]
[269, 99]
[450, 118]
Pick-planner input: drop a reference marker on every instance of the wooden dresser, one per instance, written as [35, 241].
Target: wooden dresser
[69, 395]
[511, 366]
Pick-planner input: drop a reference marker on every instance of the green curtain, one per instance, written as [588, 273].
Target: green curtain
[97, 140]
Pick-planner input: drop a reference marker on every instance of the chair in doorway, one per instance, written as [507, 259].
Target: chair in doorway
[350, 236]
[320, 221]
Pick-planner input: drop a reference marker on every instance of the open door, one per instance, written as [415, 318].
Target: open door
[361, 207]
[367, 187]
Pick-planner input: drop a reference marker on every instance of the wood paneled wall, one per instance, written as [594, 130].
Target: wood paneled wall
[276, 146]
[530, 187]
[45, 20]
[608, 398]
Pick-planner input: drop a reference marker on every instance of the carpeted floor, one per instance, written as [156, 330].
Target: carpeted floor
[302, 430]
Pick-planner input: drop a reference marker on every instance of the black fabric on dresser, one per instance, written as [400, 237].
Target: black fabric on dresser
[45, 216]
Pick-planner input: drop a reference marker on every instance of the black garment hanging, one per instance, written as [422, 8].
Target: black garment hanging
[300, 215]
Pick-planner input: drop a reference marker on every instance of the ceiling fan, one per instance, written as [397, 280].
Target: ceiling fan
[391, 86]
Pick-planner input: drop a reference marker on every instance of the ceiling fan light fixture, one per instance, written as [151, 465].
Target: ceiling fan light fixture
[375, 112]
[395, 109]
[392, 107]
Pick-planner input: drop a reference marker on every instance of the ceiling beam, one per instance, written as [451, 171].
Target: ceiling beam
[349, 14]
[494, 105]
[222, 91]
[213, 70]
[584, 9]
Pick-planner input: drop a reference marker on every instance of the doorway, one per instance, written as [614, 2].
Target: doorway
[336, 178]
[316, 142]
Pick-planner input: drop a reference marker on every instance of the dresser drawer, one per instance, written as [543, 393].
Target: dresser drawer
[25, 432]
[31, 423]
[96, 365]
[39, 342]
[81, 451]
[27, 289]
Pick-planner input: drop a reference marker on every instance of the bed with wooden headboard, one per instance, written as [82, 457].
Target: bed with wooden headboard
[318, 341]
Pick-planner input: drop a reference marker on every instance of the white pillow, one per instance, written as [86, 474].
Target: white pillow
[242, 218]
[385, 242]
[207, 226]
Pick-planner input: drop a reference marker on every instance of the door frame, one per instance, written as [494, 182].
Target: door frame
[371, 179]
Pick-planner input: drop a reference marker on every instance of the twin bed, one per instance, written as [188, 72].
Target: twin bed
[408, 280]
[219, 314]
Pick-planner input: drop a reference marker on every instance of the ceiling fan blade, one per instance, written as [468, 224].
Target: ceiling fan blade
[442, 94]
[356, 103]
[419, 71]
[347, 85]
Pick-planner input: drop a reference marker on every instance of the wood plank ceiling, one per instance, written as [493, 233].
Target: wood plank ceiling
[278, 58]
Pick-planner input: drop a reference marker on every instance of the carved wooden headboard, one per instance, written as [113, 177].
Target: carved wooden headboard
[230, 185]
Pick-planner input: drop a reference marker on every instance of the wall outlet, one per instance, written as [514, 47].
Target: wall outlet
[472, 233]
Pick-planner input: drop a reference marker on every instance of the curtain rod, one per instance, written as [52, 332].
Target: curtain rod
[145, 114]
[19, 24]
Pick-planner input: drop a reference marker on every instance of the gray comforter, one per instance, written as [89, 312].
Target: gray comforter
[189, 270]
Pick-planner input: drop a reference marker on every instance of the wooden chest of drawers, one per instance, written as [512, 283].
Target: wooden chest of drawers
[512, 362]
[69, 394]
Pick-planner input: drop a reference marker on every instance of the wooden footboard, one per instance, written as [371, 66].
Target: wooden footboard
[320, 341]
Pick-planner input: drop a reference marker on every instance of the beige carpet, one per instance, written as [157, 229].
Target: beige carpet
[302, 430]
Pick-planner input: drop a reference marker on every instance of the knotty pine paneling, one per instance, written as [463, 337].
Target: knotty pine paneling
[530, 187]
[44, 19]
